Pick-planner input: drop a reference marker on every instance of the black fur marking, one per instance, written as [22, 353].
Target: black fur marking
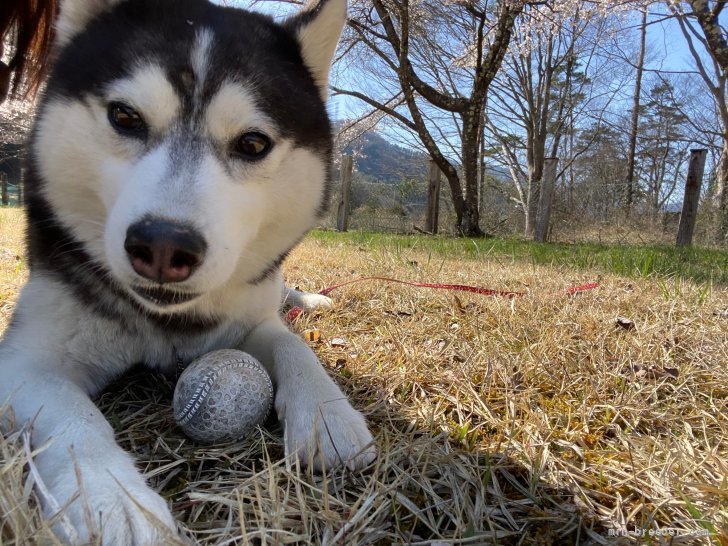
[272, 268]
[305, 17]
[276, 263]
[325, 202]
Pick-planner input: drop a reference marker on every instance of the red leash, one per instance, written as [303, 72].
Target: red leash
[296, 311]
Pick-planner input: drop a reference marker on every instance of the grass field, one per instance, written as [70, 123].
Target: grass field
[701, 265]
[531, 420]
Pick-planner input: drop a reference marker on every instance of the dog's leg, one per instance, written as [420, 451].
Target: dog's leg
[76, 444]
[89, 476]
[308, 301]
[320, 426]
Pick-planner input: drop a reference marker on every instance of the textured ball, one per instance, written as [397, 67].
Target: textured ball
[222, 396]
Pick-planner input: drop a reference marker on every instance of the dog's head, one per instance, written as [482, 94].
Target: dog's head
[186, 145]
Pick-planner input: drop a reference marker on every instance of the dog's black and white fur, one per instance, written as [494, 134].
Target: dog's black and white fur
[181, 150]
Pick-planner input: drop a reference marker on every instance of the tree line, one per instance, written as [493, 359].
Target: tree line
[511, 83]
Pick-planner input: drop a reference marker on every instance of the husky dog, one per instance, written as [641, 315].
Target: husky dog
[182, 149]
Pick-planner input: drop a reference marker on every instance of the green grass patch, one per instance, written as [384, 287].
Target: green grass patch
[701, 265]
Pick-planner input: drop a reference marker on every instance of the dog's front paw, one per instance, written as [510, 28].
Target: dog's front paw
[308, 301]
[326, 434]
[112, 503]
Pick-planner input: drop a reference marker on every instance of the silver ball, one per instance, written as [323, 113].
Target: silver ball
[222, 396]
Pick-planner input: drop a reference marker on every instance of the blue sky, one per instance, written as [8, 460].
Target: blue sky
[668, 45]
[665, 40]
[664, 37]
[667, 49]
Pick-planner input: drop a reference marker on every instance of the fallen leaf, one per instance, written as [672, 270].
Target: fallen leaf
[625, 323]
[398, 313]
[636, 369]
[517, 380]
[312, 336]
[650, 372]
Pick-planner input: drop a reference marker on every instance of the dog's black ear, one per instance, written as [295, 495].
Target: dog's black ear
[318, 28]
[76, 14]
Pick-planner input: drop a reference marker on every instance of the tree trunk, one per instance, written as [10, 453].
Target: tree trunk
[433, 199]
[469, 225]
[536, 155]
[544, 205]
[708, 18]
[721, 196]
[456, 193]
[629, 182]
[481, 168]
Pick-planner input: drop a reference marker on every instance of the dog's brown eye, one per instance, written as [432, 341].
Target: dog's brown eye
[252, 146]
[126, 120]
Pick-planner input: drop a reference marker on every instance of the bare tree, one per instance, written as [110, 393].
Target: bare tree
[596, 171]
[634, 121]
[442, 56]
[663, 149]
[553, 78]
[707, 12]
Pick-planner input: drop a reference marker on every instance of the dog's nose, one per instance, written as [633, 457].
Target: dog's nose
[164, 251]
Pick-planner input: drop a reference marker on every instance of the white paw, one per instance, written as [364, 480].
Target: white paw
[113, 504]
[307, 301]
[310, 301]
[326, 434]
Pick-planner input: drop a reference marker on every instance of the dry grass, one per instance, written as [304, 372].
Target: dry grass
[535, 420]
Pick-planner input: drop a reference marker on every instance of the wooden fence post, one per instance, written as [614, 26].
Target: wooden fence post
[689, 213]
[4, 183]
[433, 199]
[21, 182]
[548, 181]
[342, 217]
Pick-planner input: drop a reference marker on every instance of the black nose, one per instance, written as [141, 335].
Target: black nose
[164, 251]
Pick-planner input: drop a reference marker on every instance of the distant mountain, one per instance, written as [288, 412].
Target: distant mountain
[383, 161]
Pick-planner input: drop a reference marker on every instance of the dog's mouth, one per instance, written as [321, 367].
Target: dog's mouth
[161, 296]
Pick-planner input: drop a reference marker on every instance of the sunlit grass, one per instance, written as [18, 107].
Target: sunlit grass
[535, 420]
[701, 265]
